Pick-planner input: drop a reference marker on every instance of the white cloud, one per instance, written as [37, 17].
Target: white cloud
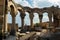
[39, 3]
[22, 2]
[55, 2]
[35, 3]
[49, 2]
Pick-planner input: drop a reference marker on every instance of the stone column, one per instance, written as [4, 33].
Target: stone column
[31, 20]
[40, 19]
[13, 31]
[22, 20]
[50, 19]
[50, 23]
[56, 21]
[13, 13]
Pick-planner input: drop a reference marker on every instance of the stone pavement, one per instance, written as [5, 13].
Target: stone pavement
[10, 38]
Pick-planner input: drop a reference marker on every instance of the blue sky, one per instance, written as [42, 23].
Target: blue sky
[33, 4]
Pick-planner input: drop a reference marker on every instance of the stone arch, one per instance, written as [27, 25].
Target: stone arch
[28, 9]
[48, 10]
[21, 9]
[31, 16]
[35, 10]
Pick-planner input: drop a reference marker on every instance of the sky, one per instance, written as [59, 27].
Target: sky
[33, 4]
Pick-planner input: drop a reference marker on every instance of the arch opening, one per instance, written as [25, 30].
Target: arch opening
[27, 19]
[36, 18]
[45, 17]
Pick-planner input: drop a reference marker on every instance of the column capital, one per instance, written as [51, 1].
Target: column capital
[40, 15]
[13, 15]
[22, 15]
[31, 20]
[40, 19]
[31, 16]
